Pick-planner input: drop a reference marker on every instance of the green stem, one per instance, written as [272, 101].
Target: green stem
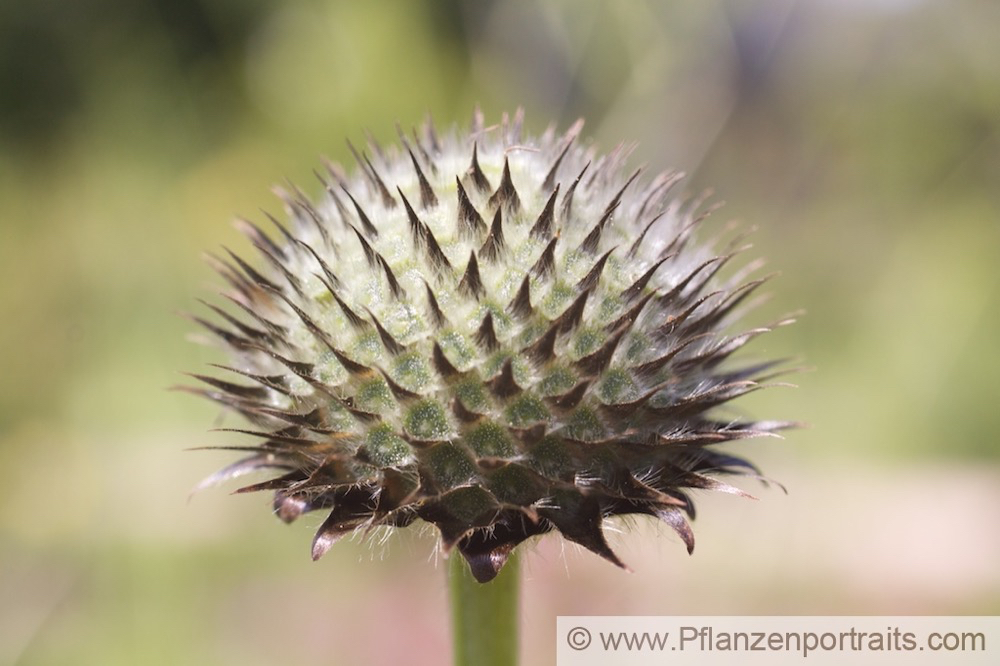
[484, 616]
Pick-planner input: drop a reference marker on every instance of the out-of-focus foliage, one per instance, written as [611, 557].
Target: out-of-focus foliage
[861, 137]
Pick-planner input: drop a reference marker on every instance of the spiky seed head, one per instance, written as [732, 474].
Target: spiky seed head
[496, 334]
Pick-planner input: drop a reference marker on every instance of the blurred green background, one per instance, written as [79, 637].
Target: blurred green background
[861, 136]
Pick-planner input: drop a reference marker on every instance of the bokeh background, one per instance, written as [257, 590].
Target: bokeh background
[861, 136]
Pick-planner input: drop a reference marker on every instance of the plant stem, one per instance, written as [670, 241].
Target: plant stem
[484, 616]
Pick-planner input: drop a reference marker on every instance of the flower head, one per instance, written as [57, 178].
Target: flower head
[496, 334]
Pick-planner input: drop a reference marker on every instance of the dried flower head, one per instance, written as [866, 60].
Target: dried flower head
[496, 334]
